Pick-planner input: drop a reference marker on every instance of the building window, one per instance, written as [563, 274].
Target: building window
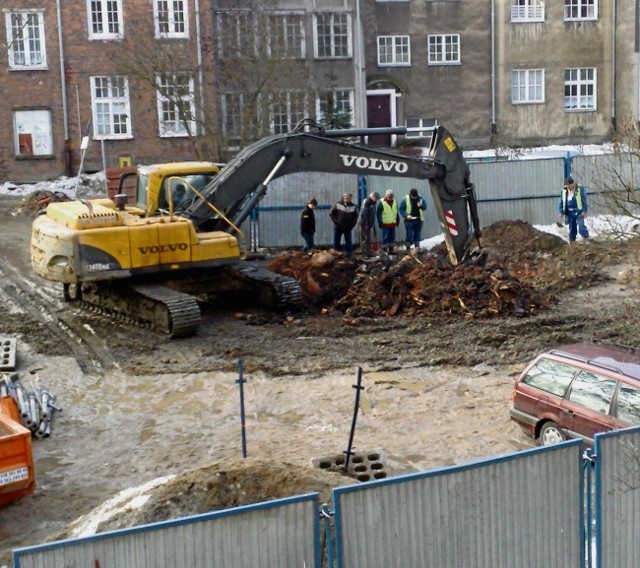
[333, 35]
[239, 120]
[286, 37]
[171, 18]
[527, 10]
[580, 9]
[444, 49]
[334, 109]
[175, 104]
[580, 88]
[236, 36]
[111, 109]
[105, 19]
[394, 51]
[25, 38]
[286, 110]
[527, 86]
[420, 127]
[33, 133]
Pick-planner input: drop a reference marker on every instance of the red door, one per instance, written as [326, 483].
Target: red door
[378, 116]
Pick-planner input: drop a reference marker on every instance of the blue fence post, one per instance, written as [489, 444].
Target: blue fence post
[567, 166]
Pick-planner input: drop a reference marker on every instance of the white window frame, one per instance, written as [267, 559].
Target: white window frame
[295, 43]
[111, 110]
[175, 127]
[524, 11]
[342, 96]
[394, 51]
[293, 114]
[443, 49]
[584, 80]
[31, 47]
[332, 35]
[429, 124]
[106, 13]
[527, 86]
[35, 123]
[243, 34]
[173, 21]
[574, 9]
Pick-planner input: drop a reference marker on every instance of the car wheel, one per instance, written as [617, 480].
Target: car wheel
[550, 433]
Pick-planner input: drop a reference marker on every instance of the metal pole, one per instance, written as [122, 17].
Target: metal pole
[241, 380]
[358, 386]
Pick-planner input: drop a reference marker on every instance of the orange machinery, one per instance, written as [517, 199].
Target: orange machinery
[17, 477]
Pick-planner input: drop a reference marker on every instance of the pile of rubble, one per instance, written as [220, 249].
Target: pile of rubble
[425, 282]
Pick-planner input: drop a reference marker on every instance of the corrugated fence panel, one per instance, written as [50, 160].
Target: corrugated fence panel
[523, 510]
[283, 533]
[525, 190]
[618, 498]
[279, 211]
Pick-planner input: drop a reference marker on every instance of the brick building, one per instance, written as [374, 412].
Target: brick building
[153, 80]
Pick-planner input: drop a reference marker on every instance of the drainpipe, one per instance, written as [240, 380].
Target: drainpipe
[494, 127]
[200, 69]
[360, 111]
[63, 81]
[614, 17]
[68, 157]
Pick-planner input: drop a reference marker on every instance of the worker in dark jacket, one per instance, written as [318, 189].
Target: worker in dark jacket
[411, 210]
[308, 225]
[344, 215]
[368, 222]
[573, 206]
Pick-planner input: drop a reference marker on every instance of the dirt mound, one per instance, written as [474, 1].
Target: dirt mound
[426, 282]
[223, 486]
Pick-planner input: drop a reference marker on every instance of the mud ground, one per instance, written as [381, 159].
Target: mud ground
[137, 406]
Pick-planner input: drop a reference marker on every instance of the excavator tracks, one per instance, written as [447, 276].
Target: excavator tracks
[154, 305]
[284, 292]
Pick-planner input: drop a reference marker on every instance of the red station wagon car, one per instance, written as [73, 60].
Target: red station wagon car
[578, 390]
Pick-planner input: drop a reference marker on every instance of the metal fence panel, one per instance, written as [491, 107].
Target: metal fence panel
[617, 490]
[526, 190]
[283, 533]
[524, 509]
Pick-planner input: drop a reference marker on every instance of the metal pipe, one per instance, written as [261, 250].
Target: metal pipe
[351, 132]
[614, 17]
[493, 66]
[34, 412]
[243, 432]
[358, 386]
[23, 404]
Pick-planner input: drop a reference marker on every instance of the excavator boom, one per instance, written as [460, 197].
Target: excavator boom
[243, 182]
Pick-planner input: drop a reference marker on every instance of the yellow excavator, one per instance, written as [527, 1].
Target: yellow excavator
[153, 259]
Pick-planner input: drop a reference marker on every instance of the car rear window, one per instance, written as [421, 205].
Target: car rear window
[629, 404]
[593, 391]
[550, 376]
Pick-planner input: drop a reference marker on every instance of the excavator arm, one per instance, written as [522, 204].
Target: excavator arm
[243, 182]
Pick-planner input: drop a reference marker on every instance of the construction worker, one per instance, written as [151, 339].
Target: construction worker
[368, 222]
[388, 220]
[308, 225]
[573, 207]
[344, 215]
[411, 210]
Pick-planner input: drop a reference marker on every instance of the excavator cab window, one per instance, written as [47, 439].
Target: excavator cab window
[141, 191]
[180, 191]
